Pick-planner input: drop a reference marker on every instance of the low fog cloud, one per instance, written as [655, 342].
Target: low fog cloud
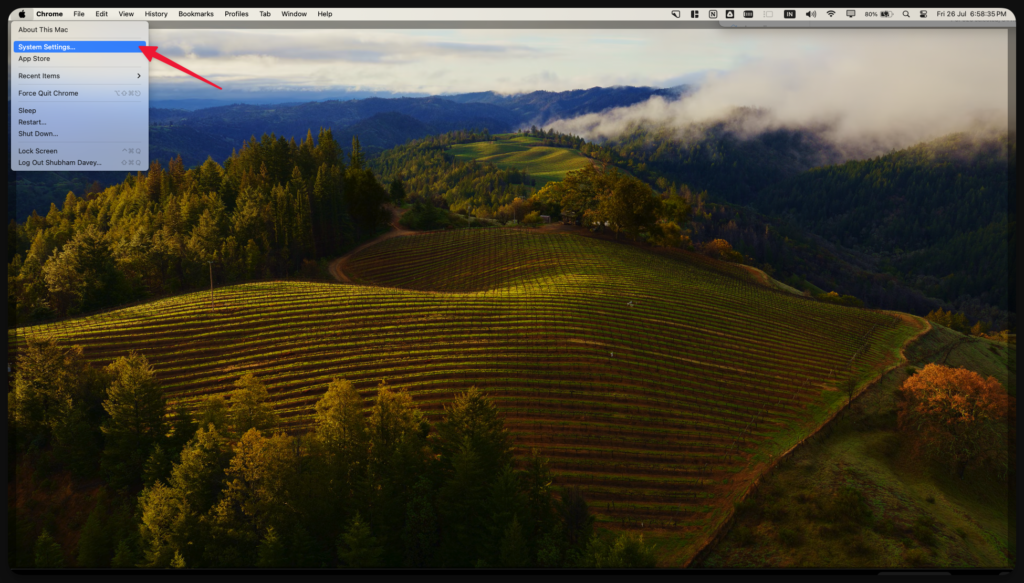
[864, 90]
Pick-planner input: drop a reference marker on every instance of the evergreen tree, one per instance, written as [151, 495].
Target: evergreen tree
[576, 521]
[183, 429]
[135, 404]
[356, 156]
[328, 151]
[357, 547]
[507, 502]
[366, 199]
[48, 552]
[254, 498]
[539, 517]
[46, 386]
[271, 553]
[162, 531]
[94, 547]
[174, 515]
[462, 506]
[65, 280]
[154, 181]
[214, 411]
[302, 549]
[124, 555]
[396, 191]
[201, 470]
[473, 419]
[249, 406]
[514, 553]
[397, 457]
[75, 441]
[341, 440]
[157, 467]
[420, 533]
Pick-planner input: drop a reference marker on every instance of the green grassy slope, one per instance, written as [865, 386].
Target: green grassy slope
[658, 384]
[525, 153]
[922, 516]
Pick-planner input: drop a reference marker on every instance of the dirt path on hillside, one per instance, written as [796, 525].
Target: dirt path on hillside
[337, 267]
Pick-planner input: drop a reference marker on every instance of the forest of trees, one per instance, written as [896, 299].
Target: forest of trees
[272, 210]
[374, 484]
[432, 177]
[938, 212]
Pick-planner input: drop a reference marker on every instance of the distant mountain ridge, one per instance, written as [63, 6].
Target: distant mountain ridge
[547, 106]
[406, 117]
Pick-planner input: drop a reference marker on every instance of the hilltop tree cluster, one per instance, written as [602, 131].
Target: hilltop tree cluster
[374, 484]
[957, 321]
[554, 139]
[607, 198]
[272, 207]
[432, 177]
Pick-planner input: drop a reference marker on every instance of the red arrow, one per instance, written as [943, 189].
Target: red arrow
[150, 52]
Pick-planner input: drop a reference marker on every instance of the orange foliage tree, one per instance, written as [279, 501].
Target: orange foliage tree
[956, 414]
[721, 249]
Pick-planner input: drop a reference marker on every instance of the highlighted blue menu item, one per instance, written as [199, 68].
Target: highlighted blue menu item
[81, 46]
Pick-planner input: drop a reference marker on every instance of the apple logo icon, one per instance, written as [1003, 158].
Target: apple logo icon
[21, 14]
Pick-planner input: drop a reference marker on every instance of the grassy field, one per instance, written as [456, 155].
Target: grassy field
[661, 385]
[525, 153]
[921, 515]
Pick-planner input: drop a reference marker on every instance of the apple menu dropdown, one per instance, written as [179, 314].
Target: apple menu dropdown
[79, 96]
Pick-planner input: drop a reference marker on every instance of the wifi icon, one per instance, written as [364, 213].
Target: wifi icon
[831, 13]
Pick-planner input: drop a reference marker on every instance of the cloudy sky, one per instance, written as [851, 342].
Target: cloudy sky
[910, 82]
[436, 61]
[447, 61]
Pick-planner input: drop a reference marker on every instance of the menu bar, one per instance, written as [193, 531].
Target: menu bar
[828, 16]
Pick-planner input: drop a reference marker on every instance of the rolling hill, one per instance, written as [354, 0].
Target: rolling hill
[543, 163]
[662, 384]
